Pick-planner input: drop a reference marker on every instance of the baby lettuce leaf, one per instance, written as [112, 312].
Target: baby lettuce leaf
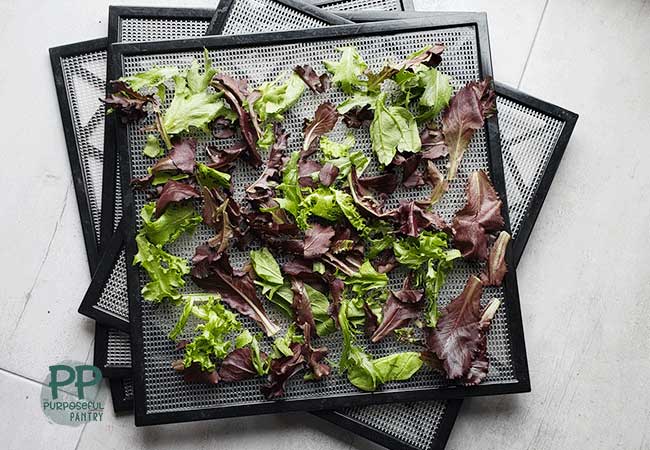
[365, 372]
[212, 272]
[127, 102]
[152, 148]
[320, 307]
[366, 279]
[211, 344]
[154, 78]
[459, 340]
[270, 279]
[275, 98]
[481, 215]
[467, 112]
[302, 308]
[190, 109]
[224, 158]
[347, 72]
[496, 267]
[318, 239]
[181, 158]
[281, 369]
[317, 84]
[324, 121]
[176, 220]
[174, 192]
[393, 129]
[398, 311]
[290, 188]
[211, 178]
[243, 364]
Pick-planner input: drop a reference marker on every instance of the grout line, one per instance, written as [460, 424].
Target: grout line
[530, 51]
[83, 429]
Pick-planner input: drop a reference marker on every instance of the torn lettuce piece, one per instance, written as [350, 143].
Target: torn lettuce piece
[320, 309]
[176, 220]
[211, 178]
[282, 345]
[348, 70]
[165, 271]
[152, 148]
[270, 280]
[276, 98]
[393, 129]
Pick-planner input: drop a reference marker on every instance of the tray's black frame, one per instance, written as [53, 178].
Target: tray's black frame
[83, 201]
[121, 404]
[224, 7]
[115, 15]
[407, 5]
[517, 345]
[101, 353]
[103, 270]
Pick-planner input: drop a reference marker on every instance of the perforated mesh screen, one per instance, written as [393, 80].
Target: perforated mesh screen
[114, 297]
[358, 5]
[143, 30]
[165, 390]
[269, 16]
[84, 77]
[527, 145]
[120, 345]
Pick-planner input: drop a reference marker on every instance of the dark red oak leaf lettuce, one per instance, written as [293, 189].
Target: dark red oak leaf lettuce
[222, 128]
[496, 267]
[225, 158]
[302, 308]
[324, 121]
[174, 192]
[481, 215]
[433, 143]
[317, 83]
[194, 373]
[314, 359]
[214, 273]
[398, 311]
[466, 113]
[238, 365]
[414, 219]
[328, 174]
[411, 176]
[369, 205]
[128, 104]
[263, 189]
[236, 95]
[385, 183]
[281, 369]
[318, 240]
[358, 117]
[181, 158]
[306, 168]
[217, 215]
[459, 339]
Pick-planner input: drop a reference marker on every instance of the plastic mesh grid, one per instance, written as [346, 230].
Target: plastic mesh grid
[84, 77]
[165, 391]
[127, 384]
[269, 16]
[527, 144]
[367, 5]
[138, 29]
[114, 296]
[120, 345]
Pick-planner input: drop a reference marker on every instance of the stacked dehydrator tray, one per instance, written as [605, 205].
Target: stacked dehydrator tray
[520, 148]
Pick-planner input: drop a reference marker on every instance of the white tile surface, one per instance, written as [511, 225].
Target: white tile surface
[583, 279]
[512, 27]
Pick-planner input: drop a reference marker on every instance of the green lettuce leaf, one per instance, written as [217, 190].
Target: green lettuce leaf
[366, 279]
[436, 95]
[211, 178]
[190, 109]
[292, 194]
[165, 271]
[152, 148]
[153, 78]
[281, 345]
[197, 81]
[320, 309]
[393, 128]
[270, 279]
[176, 220]
[276, 98]
[347, 71]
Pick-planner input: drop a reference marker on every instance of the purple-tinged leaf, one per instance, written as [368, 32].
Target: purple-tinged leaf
[281, 370]
[317, 83]
[324, 121]
[318, 239]
[174, 192]
[496, 267]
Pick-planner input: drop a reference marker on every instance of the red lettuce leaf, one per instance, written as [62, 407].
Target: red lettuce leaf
[466, 113]
[174, 192]
[222, 128]
[324, 121]
[385, 183]
[213, 273]
[459, 339]
[225, 158]
[314, 358]
[181, 158]
[127, 103]
[194, 373]
[358, 117]
[281, 369]
[414, 219]
[238, 365]
[398, 311]
[481, 215]
[306, 167]
[318, 240]
[263, 189]
[317, 83]
[433, 143]
[328, 174]
[302, 308]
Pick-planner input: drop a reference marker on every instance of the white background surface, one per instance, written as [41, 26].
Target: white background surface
[584, 279]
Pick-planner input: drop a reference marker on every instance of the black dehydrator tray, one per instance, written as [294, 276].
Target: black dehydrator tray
[256, 56]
